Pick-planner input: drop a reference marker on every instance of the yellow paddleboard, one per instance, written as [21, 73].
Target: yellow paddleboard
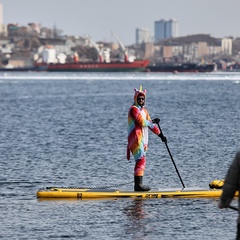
[116, 193]
[80, 193]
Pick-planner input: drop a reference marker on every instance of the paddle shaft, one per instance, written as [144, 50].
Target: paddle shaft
[233, 208]
[172, 159]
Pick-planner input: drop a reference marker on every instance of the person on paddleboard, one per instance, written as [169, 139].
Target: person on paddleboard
[139, 122]
[230, 186]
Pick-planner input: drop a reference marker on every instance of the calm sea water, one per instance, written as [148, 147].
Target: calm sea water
[71, 130]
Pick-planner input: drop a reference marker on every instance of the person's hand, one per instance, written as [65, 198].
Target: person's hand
[156, 120]
[164, 139]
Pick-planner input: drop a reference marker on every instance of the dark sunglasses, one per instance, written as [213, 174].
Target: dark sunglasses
[141, 99]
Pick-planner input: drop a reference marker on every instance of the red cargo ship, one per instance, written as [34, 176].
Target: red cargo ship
[104, 63]
[135, 66]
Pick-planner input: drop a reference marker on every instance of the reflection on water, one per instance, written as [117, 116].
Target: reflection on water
[135, 211]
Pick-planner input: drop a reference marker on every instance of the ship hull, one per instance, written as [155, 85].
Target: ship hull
[136, 66]
[178, 68]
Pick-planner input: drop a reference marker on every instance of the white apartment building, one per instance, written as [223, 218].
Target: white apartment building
[226, 44]
[143, 35]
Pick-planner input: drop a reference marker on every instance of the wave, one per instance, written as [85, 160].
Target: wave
[29, 76]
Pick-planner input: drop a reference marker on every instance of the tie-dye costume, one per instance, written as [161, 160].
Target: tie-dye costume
[138, 123]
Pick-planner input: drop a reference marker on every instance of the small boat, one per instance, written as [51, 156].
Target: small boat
[24, 69]
[82, 193]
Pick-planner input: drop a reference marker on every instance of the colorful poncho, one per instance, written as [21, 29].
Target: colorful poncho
[138, 123]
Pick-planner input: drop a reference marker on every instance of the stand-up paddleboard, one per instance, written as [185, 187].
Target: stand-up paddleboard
[58, 192]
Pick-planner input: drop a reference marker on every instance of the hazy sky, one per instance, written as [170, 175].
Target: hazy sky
[98, 18]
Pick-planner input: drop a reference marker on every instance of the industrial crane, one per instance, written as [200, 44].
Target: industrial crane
[126, 59]
[100, 57]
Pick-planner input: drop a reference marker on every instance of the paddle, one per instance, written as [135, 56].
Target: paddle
[172, 159]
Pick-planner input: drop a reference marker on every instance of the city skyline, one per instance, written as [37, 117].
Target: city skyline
[99, 19]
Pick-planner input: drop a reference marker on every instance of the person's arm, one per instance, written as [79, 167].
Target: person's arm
[231, 183]
[158, 130]
[138, 118]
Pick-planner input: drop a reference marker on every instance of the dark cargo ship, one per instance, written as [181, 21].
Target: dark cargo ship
[185, 67]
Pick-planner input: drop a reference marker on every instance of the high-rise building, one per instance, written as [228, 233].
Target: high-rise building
[159, 30]
[171, 28]
[165, 29]
[143, 35]
[1, 18]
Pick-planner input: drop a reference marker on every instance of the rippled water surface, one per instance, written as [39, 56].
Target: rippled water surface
[71, 130]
